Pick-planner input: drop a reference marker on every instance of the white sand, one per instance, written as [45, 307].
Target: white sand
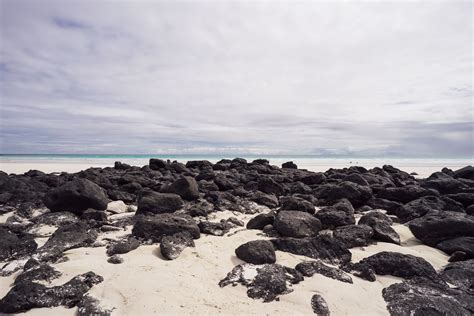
[145, 284]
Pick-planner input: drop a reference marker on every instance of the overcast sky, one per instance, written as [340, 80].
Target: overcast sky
[356, 78]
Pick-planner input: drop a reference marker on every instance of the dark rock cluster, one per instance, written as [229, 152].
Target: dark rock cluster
[313, 214]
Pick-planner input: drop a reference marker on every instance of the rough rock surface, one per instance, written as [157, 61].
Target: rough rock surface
[76, 196]
[261, 220]
[464, 244]
[186, 187]
[354, 235]
[325, 248]
[123, 246]
[155, 227]
[309, 268]
[172, 246]
[215, 229]
[42, 272]
[157, 203]
[296, 224]
[266, 281]
[27, 295]
[319, 305]
[256, 252]
[90, 306]
[460, 274]
[294, 203]
[380, 223]
[14, 246]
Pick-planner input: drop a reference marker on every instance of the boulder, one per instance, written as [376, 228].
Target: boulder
[157, 164]
[296, 224]
[389, 206]
[313, 178]
[357, 194]
[172, 246]
[289, 165]
[269, 200]
[423, 205]
[123, 246]
[405, 194]
[269, 186]
[319, 305]
[464, 244]
[157, 203]
[309, 268]
[380, 223]
[156, 227]
[186, 187]
[339, 214]
[261, 220]
[76, 196]
[40, 272]
[15, 246]
[215, 229]
[466, 198]
[459, 274]
[466, 173]
[435, 227]
[356, 178]
[294, 203]
[256, 252]
[354, 235]
[325, 248]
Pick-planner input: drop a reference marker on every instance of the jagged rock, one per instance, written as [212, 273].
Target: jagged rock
[459, 274]
[157, 164]
[289, 165]
[155, 227]
[266, 281]
[236, 221]
[76, 196]
[356, 178]
[435, 227]
[269, 200]
[319, 305]
[42, 272]
[325, 248]
[400, 265]
[294, 203]
[256, 252]
[380, 223]
[216, 229]
[354, 235]
[464, 244]
[186, 187]
[124, 246]
[422, 296]
[405, 194]
[225, 183]
[67, 237]
[313, 178]
[56, 219]
[115, 259]
[15, 246]
[27, 295]
[94, 215]
[466, 173]
[296, 224]
[361, 270]
[457, 256]
[466, 198]
[421, 206]
[89, 306]
[172, 246]
[261, 220]
[157, 203]
[309, 268]
[357, 194]
[389, 206]
[339, 214]
[269, 186]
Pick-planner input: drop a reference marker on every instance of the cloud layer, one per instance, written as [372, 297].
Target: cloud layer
[237, 77]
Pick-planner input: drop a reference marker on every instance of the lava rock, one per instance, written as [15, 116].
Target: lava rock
[155, 227]
[354, 235]
[294, 203]
[115, 259]
[357, 194]
[325, 248]
[319, 305]
[296, 224]
[313, 178]
[261, 220]
[215, 229]
[186, 187]
[157, 203]
[27, 295]
[124, 246]
[421, 206]
[466, 173]
[172, 246]
[400, 265]
[89, 306]
[361, 270]
[15, 246]
[389, 206]
[380, 223]
[405, 194]
[436, 227]
[41, 272]
[269, 186]
[309, 268]
[464, 244]
[266, 281]
[76, 196]
[256, 252]
[289, 165]
[269, 200]
[157, 164]
[460, 274]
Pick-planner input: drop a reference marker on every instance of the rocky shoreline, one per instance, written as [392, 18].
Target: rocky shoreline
[322, 217]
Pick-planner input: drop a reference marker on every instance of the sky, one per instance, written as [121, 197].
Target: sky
[242, 77]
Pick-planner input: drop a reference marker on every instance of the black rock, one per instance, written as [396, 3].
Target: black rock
[380, 223]
[269, 186]
[313, 178]
[89, 306]
[225, 183]
[422, 296]
[172, 246]
[361, 270]
[289, 165]
[356, 178]
[215, 229]
[269, 281]
[405, 194]
[357, 194]
[309, 268]
[155, 227]
[115, 259]
[400, 265]
[339, 214]
[14, 246]
[445, 185]
[296, 224]
[389, 206]
[157, 164]
[464, 244]
[56, 219]
[121, 166]
[354, 235]
[269, 200]
[466, 198]
[459, 274]
[436, 227]
[27, 295]
[256, 252]
[186, 187]
[319, 305]
[325, 248]
[261, 220]
[76, 196]
[466, 173]
[41, 272]
[294, 203]
[421, 206]
[157, 203]
[124, 246]
[95, 215]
